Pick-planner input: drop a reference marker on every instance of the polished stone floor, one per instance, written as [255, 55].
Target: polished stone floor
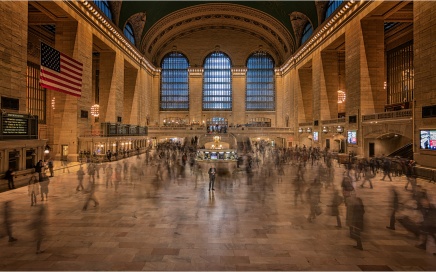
[177, 224]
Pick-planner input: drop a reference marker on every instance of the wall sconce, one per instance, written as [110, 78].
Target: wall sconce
[325, 129]
[300, 130]
[46, 149]
[309, 130]
[340, 129]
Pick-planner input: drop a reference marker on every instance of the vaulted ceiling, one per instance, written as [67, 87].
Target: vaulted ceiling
[273, 25]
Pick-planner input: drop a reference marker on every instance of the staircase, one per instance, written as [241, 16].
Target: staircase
[403, 152]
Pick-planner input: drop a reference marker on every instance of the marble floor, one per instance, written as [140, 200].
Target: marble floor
[177, 224]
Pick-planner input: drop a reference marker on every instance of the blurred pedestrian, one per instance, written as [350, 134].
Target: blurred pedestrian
[8, 221]
[33, 188]
[43, 182]
[80, 175]
[38, 225]
[355, 212]
[337, 200]
[91, 196]
[314, 197]
[395, 206]
[9, 176]
[50, 165]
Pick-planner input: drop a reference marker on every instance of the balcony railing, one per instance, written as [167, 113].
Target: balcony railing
[116, 130]
[333, 121]
[401, 114]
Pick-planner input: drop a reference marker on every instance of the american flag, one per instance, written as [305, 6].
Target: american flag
[60, 72]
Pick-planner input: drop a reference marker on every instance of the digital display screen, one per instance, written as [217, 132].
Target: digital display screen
[352, 137]
[428, 139]
[315, 136]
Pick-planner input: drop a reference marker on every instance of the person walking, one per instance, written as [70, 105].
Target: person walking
[8, 221]
[91, 197]
[33, 188]
[80, 175]
[44, 186]
[355, 212]
[367, 177]
[50, 165]
[38, 224]
[411, 176]
[39, 168]
[212, 176]
[314, 197]
[9, 176]
[395, 205]
[337, 200]
[387, 169]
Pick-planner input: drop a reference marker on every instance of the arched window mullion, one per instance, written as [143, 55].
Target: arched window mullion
[174, 82]
[260, 93]
[217, 87]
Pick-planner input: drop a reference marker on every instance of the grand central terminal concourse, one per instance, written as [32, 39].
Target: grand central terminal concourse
[217, 135]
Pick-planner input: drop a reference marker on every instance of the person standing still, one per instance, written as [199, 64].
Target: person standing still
[212, 175]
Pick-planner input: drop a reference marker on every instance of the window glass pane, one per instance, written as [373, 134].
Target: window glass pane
[400, 73]
[128, 32]
[332, 6]
[307, 32]
[260, 90]
[36, 96]
[174, 82]
[103, 5]
[217, 83]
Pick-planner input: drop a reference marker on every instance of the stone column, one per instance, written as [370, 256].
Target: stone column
[424, 33]
[239, 77]
[75, 40]
[13, 51]
[196, 94]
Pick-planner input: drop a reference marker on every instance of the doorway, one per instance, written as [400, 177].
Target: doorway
[64, 152]
[371, 150]
[327, 143]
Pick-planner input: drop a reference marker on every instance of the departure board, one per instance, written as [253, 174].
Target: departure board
[15, 124]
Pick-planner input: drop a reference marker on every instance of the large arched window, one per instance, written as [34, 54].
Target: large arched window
[217, 82]
[307, 32]
[260, 94]
[128, 32]
[174, 94]
[103, 5]
[332, 6]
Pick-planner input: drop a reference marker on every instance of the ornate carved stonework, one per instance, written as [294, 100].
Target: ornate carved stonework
[298, 21]
[138, 22]
[115, 6]
[321, 7]
[219, 16]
